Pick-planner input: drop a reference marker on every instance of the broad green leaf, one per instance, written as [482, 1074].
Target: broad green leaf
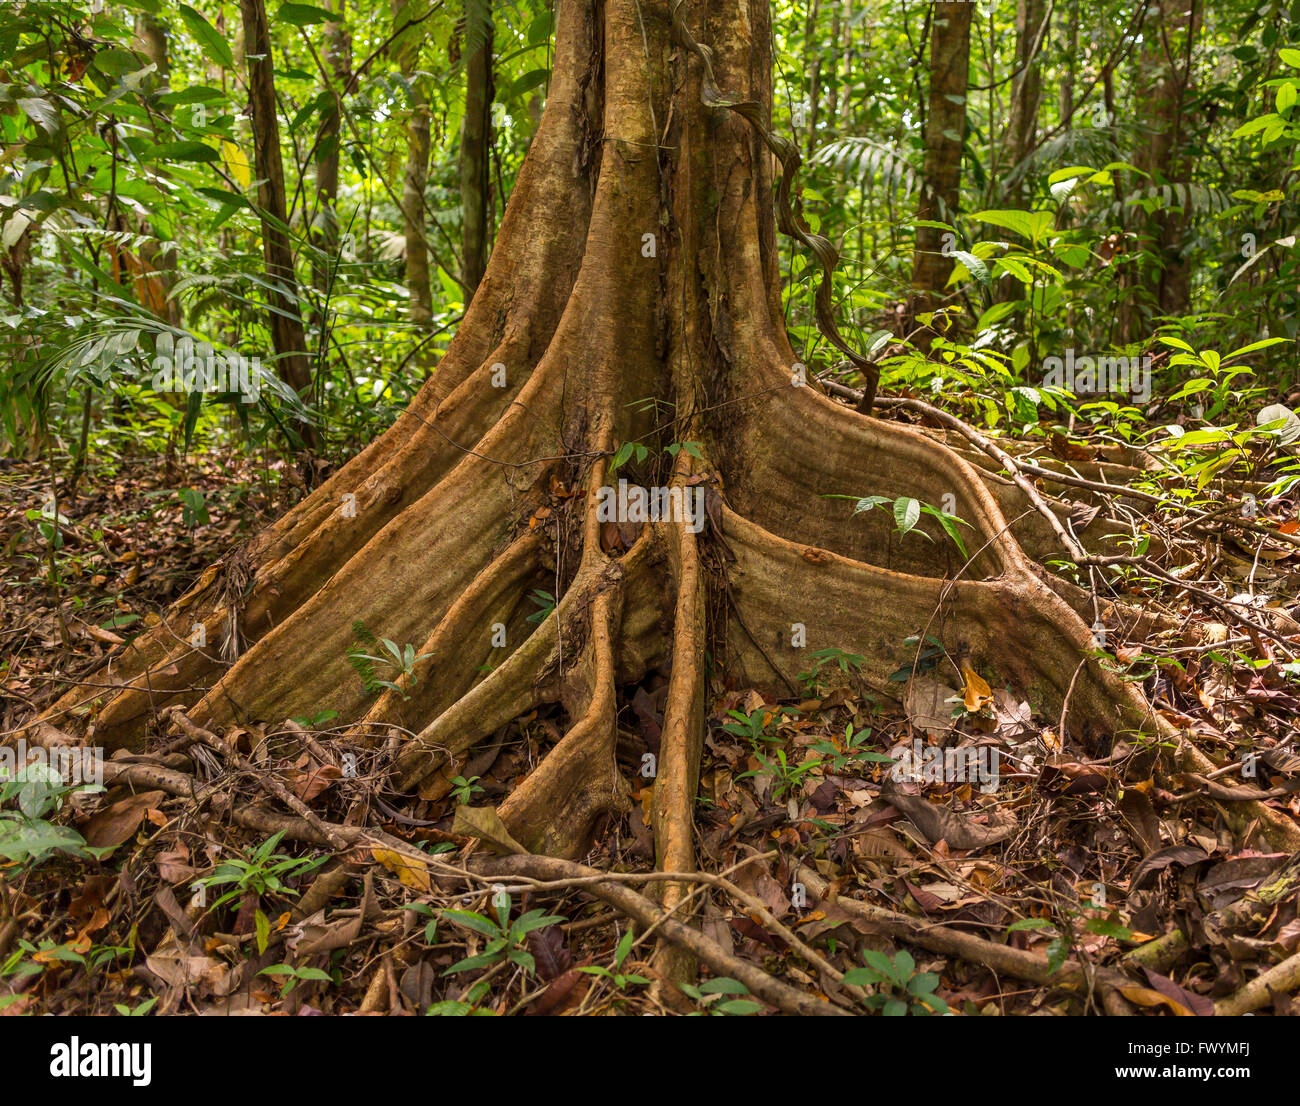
[907, 512]
[214, 44]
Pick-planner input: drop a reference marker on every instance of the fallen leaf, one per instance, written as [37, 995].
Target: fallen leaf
[977, 694]
[111, 826]
[410, 871]
[484, 823]
[927, 704]
[961, 831]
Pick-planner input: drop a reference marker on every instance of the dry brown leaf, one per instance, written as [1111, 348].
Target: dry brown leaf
[410, 871]
[927, 704]
[114, 824]
[1144, 996]
[977, 694]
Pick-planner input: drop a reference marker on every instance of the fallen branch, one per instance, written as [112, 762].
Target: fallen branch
[645, 913]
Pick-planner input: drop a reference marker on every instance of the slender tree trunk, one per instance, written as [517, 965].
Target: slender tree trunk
[476, 143]
[944, 130]
[284, 316]
[1026, 94]
[338, 57]
[1164, 83]
[414, 180]
[415, 176]
[812, 48]
[157, 267]
[1070, 50]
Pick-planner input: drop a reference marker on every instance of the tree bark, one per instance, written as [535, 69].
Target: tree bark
[1169, 34]
[476, 143]
[414, 179]
[338, 57]
[945, 128]
[283, 314]
[1026, 94]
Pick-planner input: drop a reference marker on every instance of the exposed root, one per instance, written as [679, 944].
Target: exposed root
[676, 783]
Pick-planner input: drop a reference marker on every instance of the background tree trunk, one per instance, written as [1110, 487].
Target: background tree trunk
[414, 180]
[476, 143]
[1169, 34]
[945, 127]
[283, 314]
[1026, 94]
[338, 57]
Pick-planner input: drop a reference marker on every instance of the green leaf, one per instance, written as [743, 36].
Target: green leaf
[302, 15]
[907, 513]
[180, 151]
[973, 264]
[1029, 923]
[214, 44]
[1032, 225]
[476, 922]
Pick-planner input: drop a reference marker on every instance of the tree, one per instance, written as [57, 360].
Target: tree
[406, 48]
[1026, 91]
[285, 318]
[1169, 34]
[338, 56]
[945, 127]
[476, 143]
[632, 300]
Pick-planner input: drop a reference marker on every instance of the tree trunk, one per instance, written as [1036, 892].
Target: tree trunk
[1026, 94]
[338, 57]
[155, 272]
[1166, 64]
[945, 127]
[812, 46]
[284, 318]
[1070, 50]
[476, 143]
[633, 297]
[414, 179]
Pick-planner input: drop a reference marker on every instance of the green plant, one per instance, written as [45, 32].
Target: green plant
[293, 976]
[402, 659]
[545, 601]
[713, 997]
[907, 513]
[899, 988]
[851, 749]
[463, 790]
[787, 778]
[140, 1010]
[27, 837]
[619, 979]
[848, 663]
[317, 720]
[261, 873]
[505, 938]
[753, 727]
